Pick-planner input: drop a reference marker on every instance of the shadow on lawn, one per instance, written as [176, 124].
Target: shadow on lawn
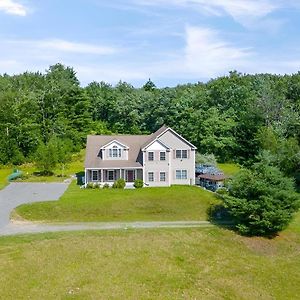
[219, 216]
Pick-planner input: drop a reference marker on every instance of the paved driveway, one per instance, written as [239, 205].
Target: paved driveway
[19, 193]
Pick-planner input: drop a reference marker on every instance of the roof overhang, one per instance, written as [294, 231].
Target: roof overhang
[156, 141]
[175, 133]
[117, 142]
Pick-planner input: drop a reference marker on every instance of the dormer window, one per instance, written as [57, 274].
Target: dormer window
[115, 152]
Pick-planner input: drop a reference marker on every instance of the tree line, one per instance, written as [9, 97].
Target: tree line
[236, 117]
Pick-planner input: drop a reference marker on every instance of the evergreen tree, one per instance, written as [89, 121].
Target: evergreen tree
[261, 200]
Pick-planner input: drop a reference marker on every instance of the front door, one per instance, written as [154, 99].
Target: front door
[130, 175]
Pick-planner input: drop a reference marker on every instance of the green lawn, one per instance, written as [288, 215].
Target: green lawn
[229, 169]
[4, 172]
[171, 203]
[30, 171]
[209, 263]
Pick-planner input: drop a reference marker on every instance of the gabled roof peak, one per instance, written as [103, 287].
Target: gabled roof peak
[116, 142]
[157, 141]
[160, 132]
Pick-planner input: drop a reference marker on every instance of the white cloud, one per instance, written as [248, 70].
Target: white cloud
[13, 8]
[243, 8]
[67, 46]
[234, 8]
[59, 46]
[246, 12]
[37, 55]
[207, 54]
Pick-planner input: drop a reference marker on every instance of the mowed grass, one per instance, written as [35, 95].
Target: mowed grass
[210, 263]
[157, 204]
[229, 169]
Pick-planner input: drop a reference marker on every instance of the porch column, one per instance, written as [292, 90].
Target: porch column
[85, 179]
[101, 171]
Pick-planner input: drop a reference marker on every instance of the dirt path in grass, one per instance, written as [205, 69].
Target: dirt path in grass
[28, 227]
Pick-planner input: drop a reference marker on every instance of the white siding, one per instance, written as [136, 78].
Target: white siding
[176, 143]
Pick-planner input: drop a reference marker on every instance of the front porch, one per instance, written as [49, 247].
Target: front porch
[111, 175]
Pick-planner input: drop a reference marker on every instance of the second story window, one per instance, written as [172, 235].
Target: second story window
[150, 155]
[181, 154]
[115, 152]
[162, 155]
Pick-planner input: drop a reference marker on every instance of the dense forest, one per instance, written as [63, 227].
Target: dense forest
[239, 117]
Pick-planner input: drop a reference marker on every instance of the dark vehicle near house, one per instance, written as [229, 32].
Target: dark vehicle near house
[209, 177]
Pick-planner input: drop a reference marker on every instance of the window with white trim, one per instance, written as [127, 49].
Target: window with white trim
[150, 176]
[111, 175]
[115, 152]
[181, 174]
[181, 154]
[151, 155]
[94, 175]
[162, 155]
[162, 176]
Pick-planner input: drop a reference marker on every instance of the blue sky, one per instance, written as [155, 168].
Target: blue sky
[169, 41]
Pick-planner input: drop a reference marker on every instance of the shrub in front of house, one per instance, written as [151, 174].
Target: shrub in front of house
[138, 183]
[89, 185]
[92, 185]
[119, 184]
[105, 186]
[97, 186]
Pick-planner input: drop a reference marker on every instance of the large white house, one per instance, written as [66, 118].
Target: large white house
[160, 159]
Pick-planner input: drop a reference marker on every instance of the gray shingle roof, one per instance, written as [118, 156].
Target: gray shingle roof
[95, 142]
[154, 135]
